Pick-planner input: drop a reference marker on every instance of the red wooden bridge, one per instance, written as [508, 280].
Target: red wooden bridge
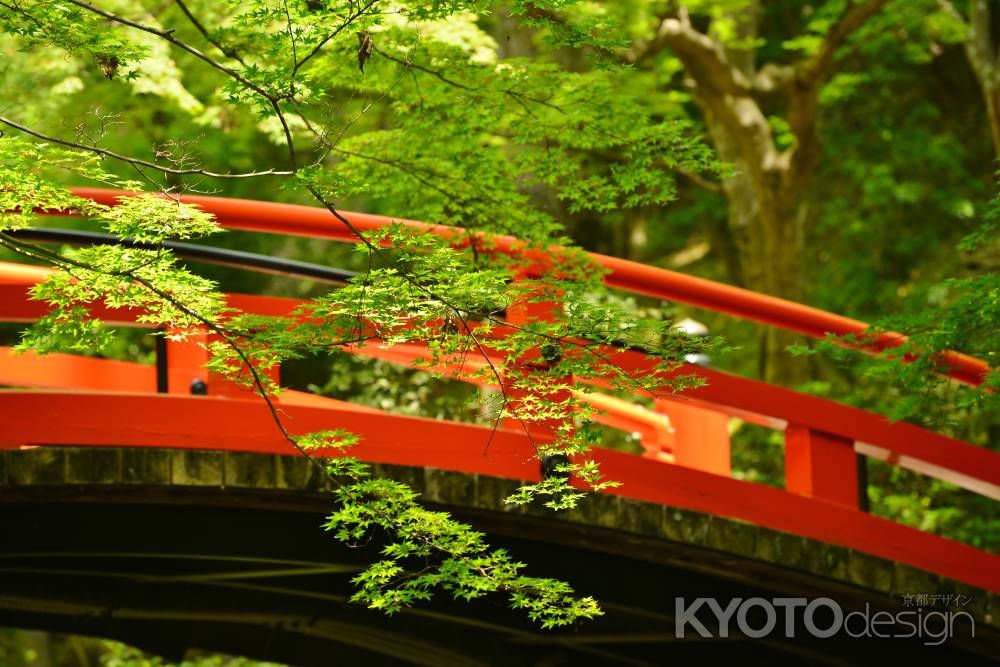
[67, 400]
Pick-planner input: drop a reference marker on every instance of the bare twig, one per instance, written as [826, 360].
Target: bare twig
[228, 52]
[136, 161]
[169, 36]
[519, 97]
[291, 36]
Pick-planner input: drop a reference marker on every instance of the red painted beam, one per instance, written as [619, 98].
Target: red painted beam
[70, 371]
[16, 306]
[278, 218]
[742, 397]
[208, 422]
[54, 418]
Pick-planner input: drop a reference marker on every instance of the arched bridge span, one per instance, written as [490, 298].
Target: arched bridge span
[117, 410]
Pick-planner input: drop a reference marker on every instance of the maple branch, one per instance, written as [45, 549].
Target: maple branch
[228, 52]
[168, 35]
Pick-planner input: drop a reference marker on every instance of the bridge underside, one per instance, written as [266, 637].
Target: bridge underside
[244, 569]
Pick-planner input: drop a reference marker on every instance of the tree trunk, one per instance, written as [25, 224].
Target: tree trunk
[766, 220]
[981, 52]
[766, 217]
[767, 194]
[991, 94]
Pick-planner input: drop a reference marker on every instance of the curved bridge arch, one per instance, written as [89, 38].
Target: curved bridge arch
[155, 552]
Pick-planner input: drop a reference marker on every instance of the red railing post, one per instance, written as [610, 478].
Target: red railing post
[821, 465]
[661, 442]
[701, 437]
[186, 361]
[520, 314]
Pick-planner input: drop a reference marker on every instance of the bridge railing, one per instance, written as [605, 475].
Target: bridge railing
[297, 220]
[702, 439]
[823, 439]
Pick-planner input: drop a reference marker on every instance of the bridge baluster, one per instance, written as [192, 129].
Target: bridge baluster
[186, 364]
[520, 314]
[821, 465]
[700, 439]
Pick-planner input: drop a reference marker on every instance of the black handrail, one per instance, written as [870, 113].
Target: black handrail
[199, 253]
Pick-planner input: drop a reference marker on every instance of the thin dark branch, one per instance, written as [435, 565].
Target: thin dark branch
[287, 131]
[291, 36]
[104, 152]
[319, 47]
[519, 97]
[168, 36]
[397, 165]
[228, 52]
[426, 70]
[322, 137]
[698, 180]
